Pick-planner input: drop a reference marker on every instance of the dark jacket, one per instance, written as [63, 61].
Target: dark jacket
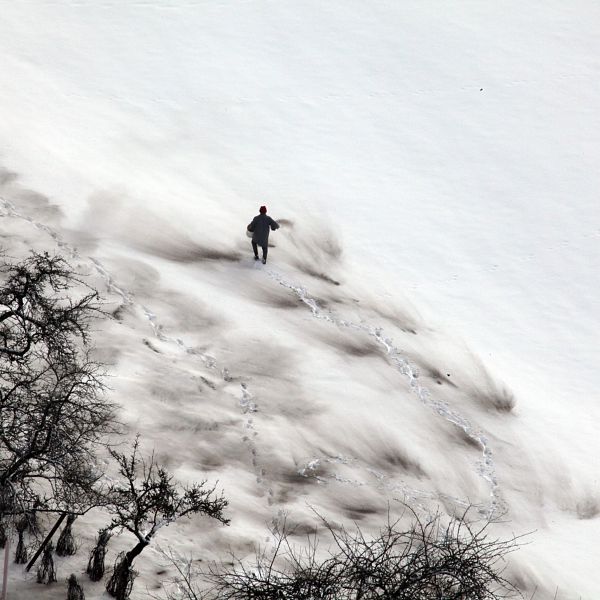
[260, 227]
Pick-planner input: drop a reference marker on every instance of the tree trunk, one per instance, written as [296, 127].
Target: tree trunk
[136, 551]
[121, 580]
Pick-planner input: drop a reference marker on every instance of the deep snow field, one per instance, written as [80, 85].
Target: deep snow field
[426, 329]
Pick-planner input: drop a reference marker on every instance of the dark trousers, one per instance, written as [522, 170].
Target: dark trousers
[265, 249]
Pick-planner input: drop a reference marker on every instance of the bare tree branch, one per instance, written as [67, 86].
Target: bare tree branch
[53, 409]
[147, 499]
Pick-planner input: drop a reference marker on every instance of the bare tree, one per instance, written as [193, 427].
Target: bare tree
[147, 500]
[53, 412]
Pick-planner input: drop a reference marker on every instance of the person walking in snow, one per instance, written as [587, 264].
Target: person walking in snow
[260, 227]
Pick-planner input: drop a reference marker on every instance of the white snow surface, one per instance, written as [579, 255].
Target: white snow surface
[435, 168]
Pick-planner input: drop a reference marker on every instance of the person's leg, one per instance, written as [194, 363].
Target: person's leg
[265, 249]
[255, 248]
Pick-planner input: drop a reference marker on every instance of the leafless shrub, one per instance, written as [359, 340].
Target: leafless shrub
[33, 519]
[46, 571]
[66, 545]
[21, 553]
[95, 567]
[433, 559]
[184, 586]
[75, 591]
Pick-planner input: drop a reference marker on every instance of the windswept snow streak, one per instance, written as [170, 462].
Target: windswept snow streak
[409, 495]
[246, 403]
[245, 400]
[485, 467]
[249, 408]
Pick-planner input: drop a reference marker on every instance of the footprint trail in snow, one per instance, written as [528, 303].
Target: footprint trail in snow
[485, 467]
[245, 400]
[248, 407]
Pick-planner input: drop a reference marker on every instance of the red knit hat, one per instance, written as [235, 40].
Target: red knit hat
[262, 209]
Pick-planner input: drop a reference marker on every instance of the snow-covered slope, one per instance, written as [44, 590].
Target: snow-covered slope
[427, 325]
